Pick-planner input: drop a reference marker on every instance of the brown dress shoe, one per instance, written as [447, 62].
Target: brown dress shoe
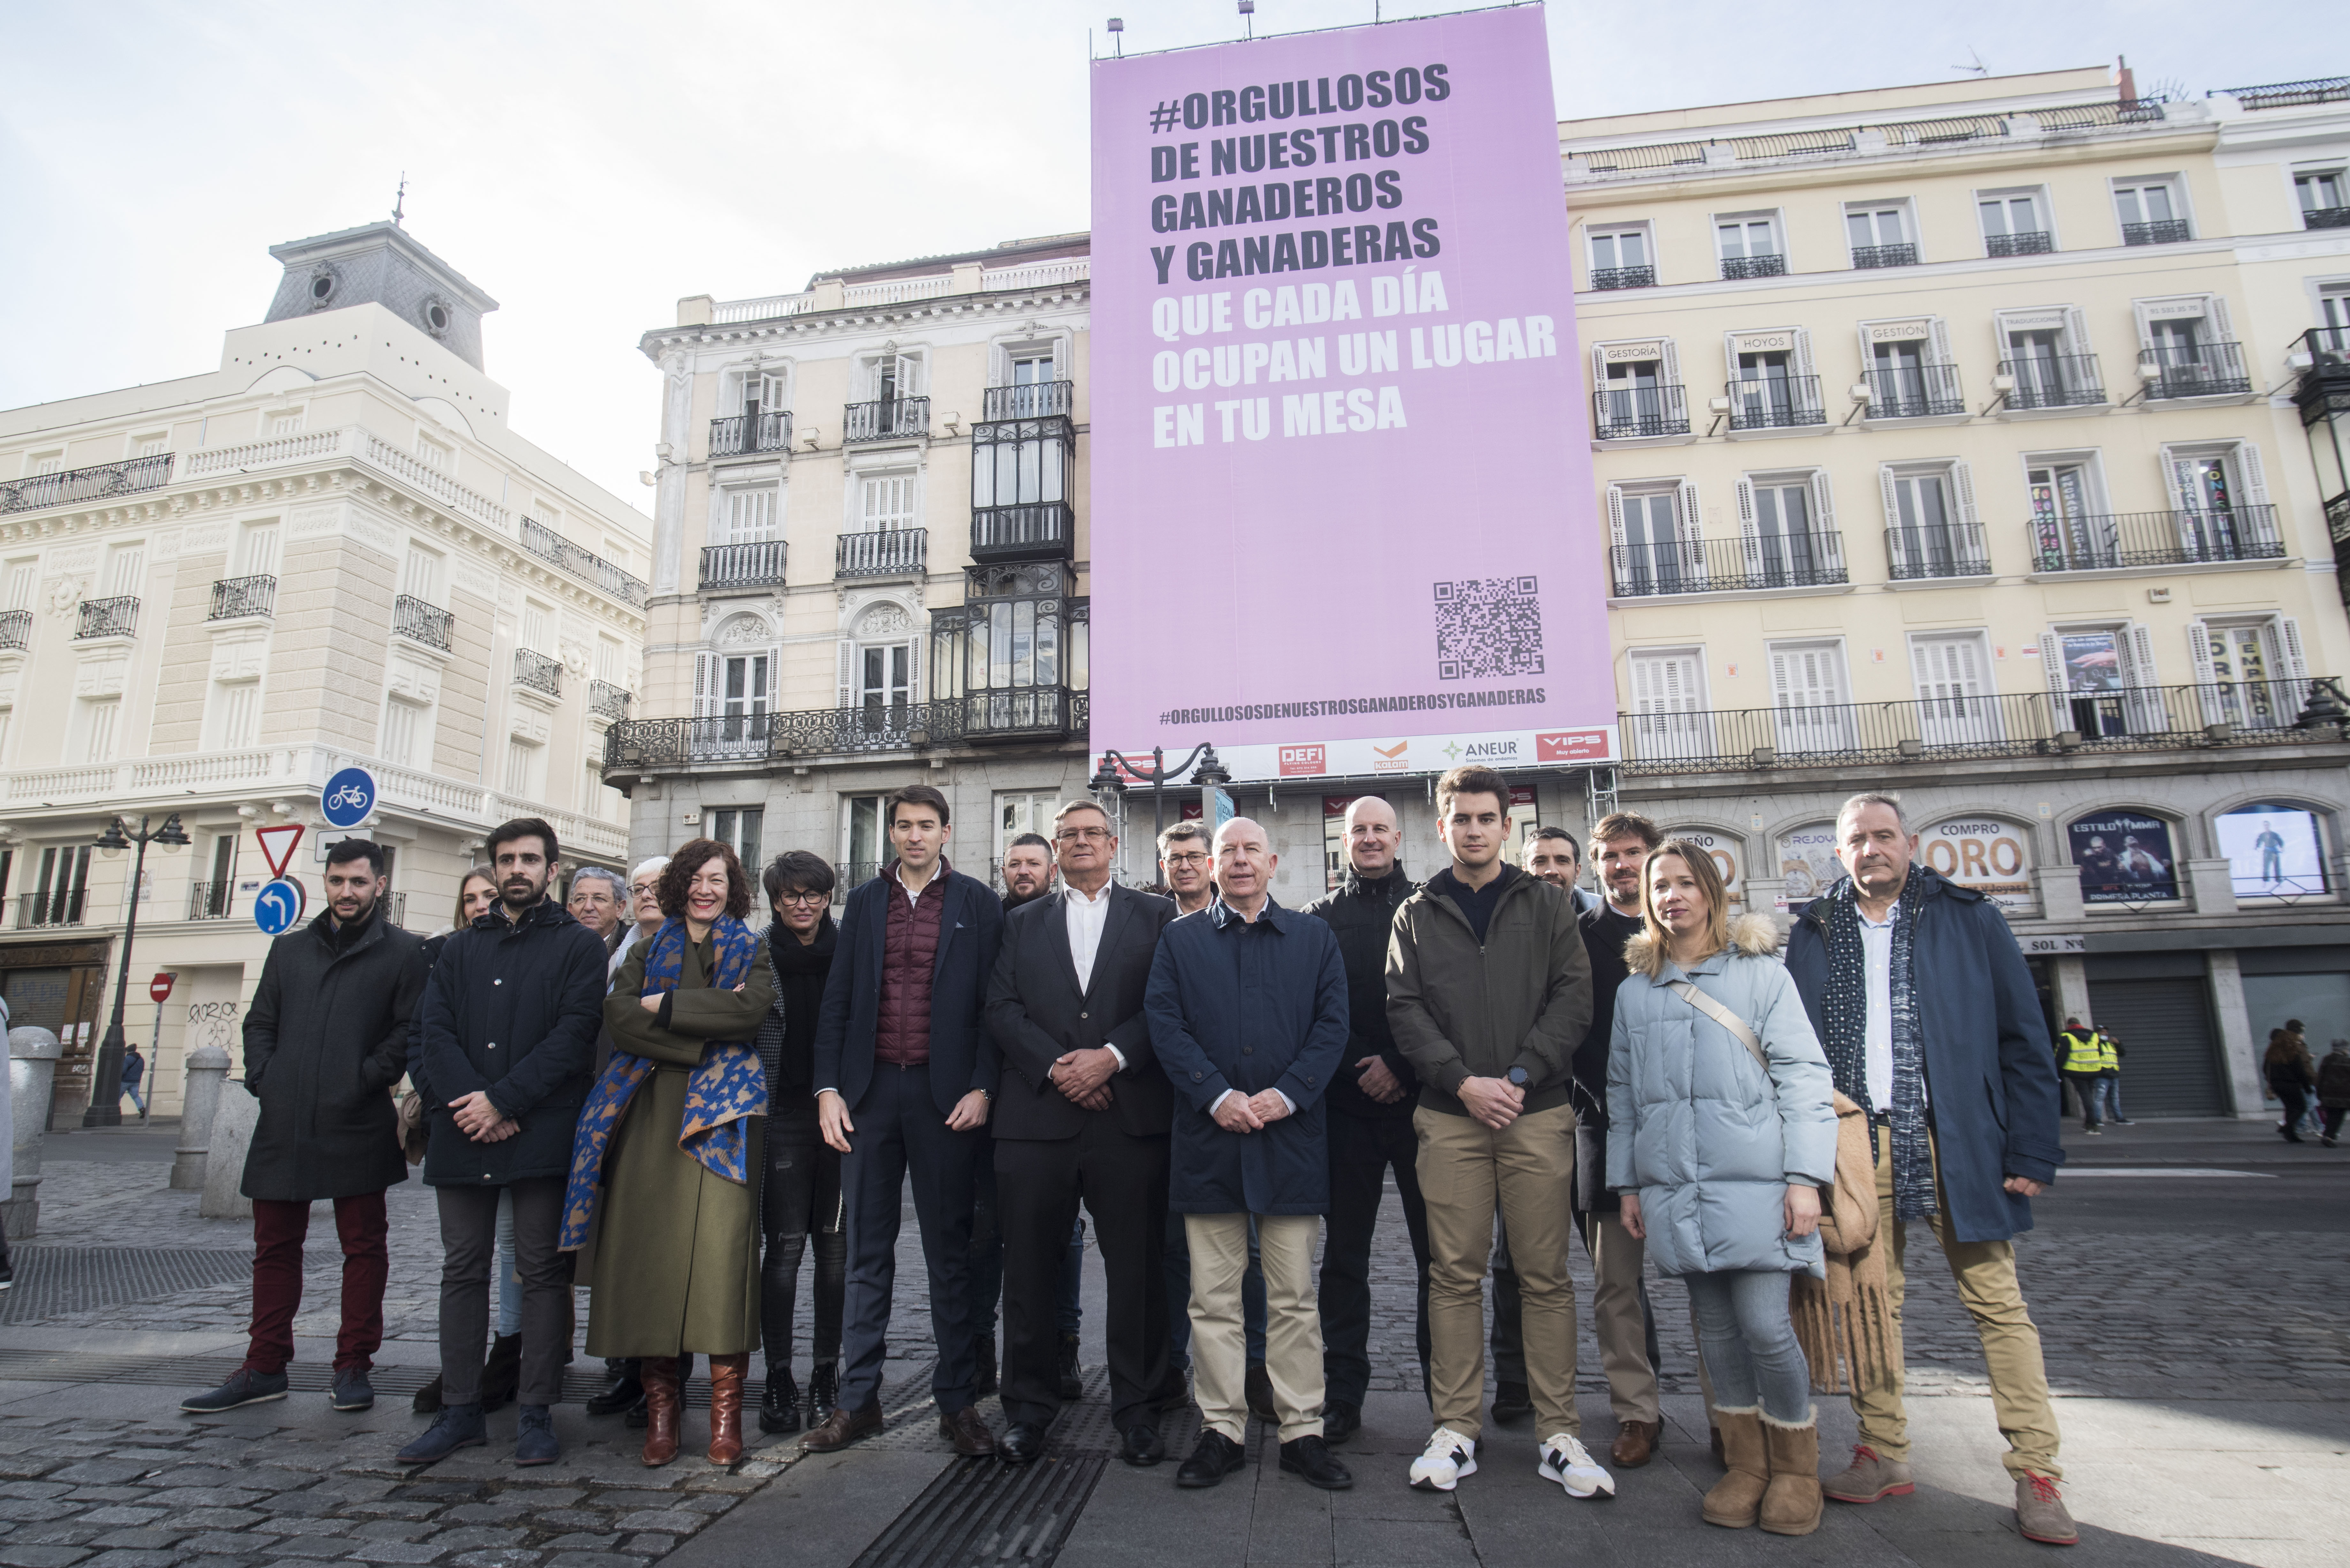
[663, 1399]
[726, 1374]
[1636, 1442]
[967, 1429]
[843, 1428]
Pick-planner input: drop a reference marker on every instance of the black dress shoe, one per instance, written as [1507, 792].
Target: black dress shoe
[1216, 1457]
[1340, 1420]
[1022, 1441]
[625, 1394]
[1257, 1388]
[1511, 1402]
[1142, 1446]
[1308, 1460]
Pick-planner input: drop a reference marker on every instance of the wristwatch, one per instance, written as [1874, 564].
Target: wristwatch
[1516, 1077]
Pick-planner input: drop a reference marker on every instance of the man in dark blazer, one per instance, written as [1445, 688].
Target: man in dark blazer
[903, 1085]
[1084, 1109]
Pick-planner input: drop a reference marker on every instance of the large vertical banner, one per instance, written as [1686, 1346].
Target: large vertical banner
[1342, 509]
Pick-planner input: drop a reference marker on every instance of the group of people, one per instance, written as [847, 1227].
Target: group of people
[671, 1113]
[2294, 1079]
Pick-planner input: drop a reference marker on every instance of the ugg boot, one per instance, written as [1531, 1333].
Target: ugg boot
[1791, 1505]
[502, 1372]
[727, 1373]
[663, 1399]
[1736, 1500]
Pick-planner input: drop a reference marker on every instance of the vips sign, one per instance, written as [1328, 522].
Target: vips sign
[1334, 323]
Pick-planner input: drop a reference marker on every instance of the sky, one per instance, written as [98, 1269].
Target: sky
[588, 162]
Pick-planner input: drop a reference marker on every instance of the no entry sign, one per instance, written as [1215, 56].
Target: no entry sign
[160, 988]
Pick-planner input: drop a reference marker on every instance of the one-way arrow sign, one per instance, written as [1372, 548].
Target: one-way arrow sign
[277, 844]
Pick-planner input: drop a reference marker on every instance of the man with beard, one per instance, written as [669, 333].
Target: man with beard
[1027, 870]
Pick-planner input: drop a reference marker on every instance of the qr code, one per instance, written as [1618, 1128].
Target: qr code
[1488, 626]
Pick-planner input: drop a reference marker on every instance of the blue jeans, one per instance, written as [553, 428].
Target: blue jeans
[509, 1276]
[1179, 1298]
[1750, 1344]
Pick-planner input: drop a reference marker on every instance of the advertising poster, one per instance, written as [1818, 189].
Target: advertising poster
[2273, 851]
[1991, 856]
[1729, 851]
[2125, 857]
[1333, 324]
[2093, 662]
[1807, 863]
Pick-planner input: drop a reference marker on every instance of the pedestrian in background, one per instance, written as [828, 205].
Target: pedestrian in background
[325, 1040]
[645, 915]
[134, 1068]
[2291, 1074]
[599, 901]
[2334, 1089]
[2088, 1064]
[1552, 855]
[1720, 1134]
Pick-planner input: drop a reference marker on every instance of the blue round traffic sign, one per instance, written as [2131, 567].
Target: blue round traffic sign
[349, 795]
[277, 906]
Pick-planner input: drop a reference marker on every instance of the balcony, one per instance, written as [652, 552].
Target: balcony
[1635, 413]
[884, 552]
[1776, 402]
[60, 907]
[891, 418]
[1953, 550]
[1623, 277]
[2292, 94]
[607, 701]
[2164, 232]
[2054, 381]
[736, 435]
[2325, 218]
[2112, 540]
[1031, 401]
[2195, 370]
[16, 628]
[236, 598]
[641, 745]
[99, 482]
[420, 622]
[1867, 257]
[1748, 564]
[2035, 243]
[1915, 392]
[587, 565]
[537, 672]
[1036, 531]
[107, 617]
[210, 900]
[1025, 712]
[1753, 266]
[752, 565]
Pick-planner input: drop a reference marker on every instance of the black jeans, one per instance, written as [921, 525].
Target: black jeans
[799, 1202]
[469, 1229]
[1362, 1150]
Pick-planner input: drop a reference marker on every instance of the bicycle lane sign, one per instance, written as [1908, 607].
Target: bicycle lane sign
[348, 798]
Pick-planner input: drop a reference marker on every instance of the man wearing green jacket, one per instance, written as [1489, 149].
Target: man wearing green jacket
[1489, 993]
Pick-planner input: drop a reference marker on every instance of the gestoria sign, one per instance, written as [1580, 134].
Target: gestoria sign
[1333, 323]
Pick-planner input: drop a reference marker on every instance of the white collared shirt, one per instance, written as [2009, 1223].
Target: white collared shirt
[914, 895]
[1087, 913]
[1876, 947]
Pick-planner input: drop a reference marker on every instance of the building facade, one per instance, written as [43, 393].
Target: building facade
[869, 560]
[330, 551]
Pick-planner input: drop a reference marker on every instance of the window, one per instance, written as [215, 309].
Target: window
[405, 730]
[1909, 373]
[2250, 672]
[210, 898]
[753, 517]
[890, 375]
[593, 790]
[1771, 386]
[2151, 213]
[1952, 673]
[1035, 390]
[1929, 516]
[1879, 233]
[2048, 360]
[1023, 811]
[864, 841]
[257, 550]
[1013, 649]
[1622, 258]
[885, 502]
[535, 634]
[23, 583]
[608, 662]
[236, 715]
[2102, 676]
[764, 388]
[1639, 390]
[732, 696]
[2188, 350]
[737, 828]
[1659, 541]
[2219, 496]
[1668, 703]
[525, 762]
[98, 717]
[1787, 543]
[2067, 526]
[60, 889]
[1808, 695]
[1747, 244]
[2324, 195]
[885, 677]
[126, 570]
[1017, 462]
[419, 575]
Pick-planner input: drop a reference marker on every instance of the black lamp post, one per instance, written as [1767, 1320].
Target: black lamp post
[1211, 771]
[106, 1075]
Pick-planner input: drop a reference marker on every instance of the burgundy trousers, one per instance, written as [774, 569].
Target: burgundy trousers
[278, 1228]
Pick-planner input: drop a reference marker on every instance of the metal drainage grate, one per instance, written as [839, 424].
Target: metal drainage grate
[979, 1512]
[52, 1281]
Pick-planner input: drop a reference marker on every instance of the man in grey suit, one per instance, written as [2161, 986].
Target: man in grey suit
[1082, 1108]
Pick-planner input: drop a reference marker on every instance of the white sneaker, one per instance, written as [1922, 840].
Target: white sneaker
[1448, 1456]
[1565, 1460]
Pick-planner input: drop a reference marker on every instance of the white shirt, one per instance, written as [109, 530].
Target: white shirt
[1876, 945]
[1087, 913]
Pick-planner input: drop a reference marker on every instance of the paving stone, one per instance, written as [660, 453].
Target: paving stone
[216, 1518]
[109, 1494]
[209, 1497]
[305, 1546]
[27, 1511]
[707, 1503]
[38, 1489]
[675, 1521]
[139, 1540]
[388, 1508]
[118, 1514]
[309, 1527]
[392, 1529]
[536, 1496]
[395, 1552]
[73, 1532]
[27, 1466]
[636, 1498]
[495, 1559]
[474, 1539]
[178, 1475]
[572, 1519]
[62, 1556]
[486, 1513]
[226, 1542]
[652, 1545]
[103, 1472]
[216, 1560]
[133, 1560]
[583, 1541]
[310, 1503]
[595, 1559]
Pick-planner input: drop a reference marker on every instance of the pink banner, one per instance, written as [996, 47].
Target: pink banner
[1342, 504]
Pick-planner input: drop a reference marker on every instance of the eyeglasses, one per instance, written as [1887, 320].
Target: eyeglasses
[643, 889]
[1194, 859]
[1085, 834]
[804, 896]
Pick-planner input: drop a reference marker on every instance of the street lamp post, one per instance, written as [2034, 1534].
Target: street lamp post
[105, 1109]
[1114, 764]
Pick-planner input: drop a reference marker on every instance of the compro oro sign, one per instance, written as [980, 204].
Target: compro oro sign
[1991, 856]
[1333, 320]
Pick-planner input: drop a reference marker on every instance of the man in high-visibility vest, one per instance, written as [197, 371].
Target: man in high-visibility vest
[2087, 1058]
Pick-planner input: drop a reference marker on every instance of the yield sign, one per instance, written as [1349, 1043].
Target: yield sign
[277, 844]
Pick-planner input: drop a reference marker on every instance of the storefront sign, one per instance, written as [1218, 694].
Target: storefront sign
[1807, 863]
[2273, 851]
[2125, 857]
[1991, 856]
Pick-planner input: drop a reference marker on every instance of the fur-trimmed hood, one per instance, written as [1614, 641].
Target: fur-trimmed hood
[1751, 936]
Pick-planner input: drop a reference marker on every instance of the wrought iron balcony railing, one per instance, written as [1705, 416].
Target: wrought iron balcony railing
[891, 419]
[61, 907]
[2292, 94]
[1915, 392]
[884, 552]
[2107, 541]
[1866, 256]
[236, 597]
[2162, 232]
[732, 435]
[209, 900]
[535, 670]
[2054, 381]
[1952, 550]
[1729, 565]
[428, 623]
[1040, 530]
[1754, 267]
[2006, 724]
[1623, 277]
[587, 565]
[16, 628]
[1627, 413]
[107, 617]
[2197, 371]
[756, 565]
[92, 483]
[1030, 400]
[608, 700]
[2325, 218]
[2032, 242]
[1776, 402]
[636, 745]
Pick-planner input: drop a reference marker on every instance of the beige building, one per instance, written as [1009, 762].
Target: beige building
[869, 559]
[330, 551]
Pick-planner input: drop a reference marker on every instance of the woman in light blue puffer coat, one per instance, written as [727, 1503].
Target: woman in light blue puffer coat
[1719, 1163]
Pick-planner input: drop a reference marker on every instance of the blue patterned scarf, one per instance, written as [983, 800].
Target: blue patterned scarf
[727, 1089]
[1844, 1011]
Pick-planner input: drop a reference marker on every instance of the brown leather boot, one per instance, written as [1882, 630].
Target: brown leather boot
[1791, 1505]
[726, 1374]
[1736, 1501]
[663, 1400]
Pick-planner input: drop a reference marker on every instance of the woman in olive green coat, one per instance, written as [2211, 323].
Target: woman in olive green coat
[677, 1251]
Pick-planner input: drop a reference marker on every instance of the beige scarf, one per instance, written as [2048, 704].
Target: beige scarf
[1844, 1323]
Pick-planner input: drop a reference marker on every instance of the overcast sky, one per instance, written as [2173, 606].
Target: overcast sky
[588, 162]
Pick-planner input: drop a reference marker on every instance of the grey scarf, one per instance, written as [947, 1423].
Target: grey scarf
[1846, 1010]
